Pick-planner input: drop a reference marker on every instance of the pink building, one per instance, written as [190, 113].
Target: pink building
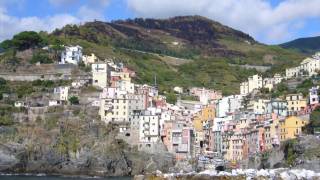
[178, 139]
[205, 94]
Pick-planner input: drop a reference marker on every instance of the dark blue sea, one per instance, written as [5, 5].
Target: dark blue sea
[44, 177]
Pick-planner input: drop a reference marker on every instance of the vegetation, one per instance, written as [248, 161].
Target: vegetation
[207, 46]
[305, 86]
[171, 98]
[43, 83]
[73, 100]
[6, 118]
[24, 88]
[314, 124]
[23, 41]
[280, 90]
[305, 45]
[41, 57]
[191, 98]
[290, 154]
[68, 141]
[9, 58]
[3, 87]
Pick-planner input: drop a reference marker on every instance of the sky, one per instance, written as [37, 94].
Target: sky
[268, 21]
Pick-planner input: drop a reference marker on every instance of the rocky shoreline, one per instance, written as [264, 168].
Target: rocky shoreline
[237, 174]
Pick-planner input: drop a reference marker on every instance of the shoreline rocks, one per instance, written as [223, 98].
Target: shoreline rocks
[236, 174]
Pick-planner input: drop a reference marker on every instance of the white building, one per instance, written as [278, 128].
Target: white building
[277, 78]
[308, 67]
[125, 86]
[244, 88]
[71, 55]
[268, 83]
[54, 103]
[228, 105]
[118, 106]
[178, 89]
[313, 95]
[20, 104]
[87, 60]
[254, 82]
[78, 83]
[100, 74]
[62, 92]
[148, 127]
[260, 106]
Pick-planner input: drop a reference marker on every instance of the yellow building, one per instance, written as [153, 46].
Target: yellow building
[202, 118]
[271, 133]
[87, 60]
[205, 115]
[291, 127]
[296, 103]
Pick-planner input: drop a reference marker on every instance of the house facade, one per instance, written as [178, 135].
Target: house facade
[71, 55]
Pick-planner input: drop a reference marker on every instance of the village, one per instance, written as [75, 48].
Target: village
[214, 129]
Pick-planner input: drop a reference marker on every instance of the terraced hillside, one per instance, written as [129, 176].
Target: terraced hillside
[185, 51]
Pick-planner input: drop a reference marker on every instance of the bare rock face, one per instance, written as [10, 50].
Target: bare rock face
[15, 158]
[73, 146]
[304, 154]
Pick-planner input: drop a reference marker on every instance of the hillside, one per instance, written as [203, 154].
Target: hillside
[308, 45]
[184, 51]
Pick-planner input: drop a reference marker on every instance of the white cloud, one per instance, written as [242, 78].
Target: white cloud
[93, 10]
[88, 14]
[256, 17]
[10, 25]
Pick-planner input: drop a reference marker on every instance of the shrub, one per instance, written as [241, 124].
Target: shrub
[73, 100]
[45, 83]
[43, 58]
[314, 123]
[171, 98]
[24, 90]
[6, 120]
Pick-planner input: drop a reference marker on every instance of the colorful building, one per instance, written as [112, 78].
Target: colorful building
[291, 127]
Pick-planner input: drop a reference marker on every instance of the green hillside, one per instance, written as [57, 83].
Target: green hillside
[308, 45]
[184, 51]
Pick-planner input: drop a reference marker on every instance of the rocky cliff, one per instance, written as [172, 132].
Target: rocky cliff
[71, 141]
[300, 153]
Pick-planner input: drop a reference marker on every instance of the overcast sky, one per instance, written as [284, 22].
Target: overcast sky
[268, 21]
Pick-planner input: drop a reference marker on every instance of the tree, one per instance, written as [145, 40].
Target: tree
[171, 98]
[57, 47]
[73, 100]
[7, 44]
[2, 82]
[41, 57]
[26, 40]
[314, 123]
